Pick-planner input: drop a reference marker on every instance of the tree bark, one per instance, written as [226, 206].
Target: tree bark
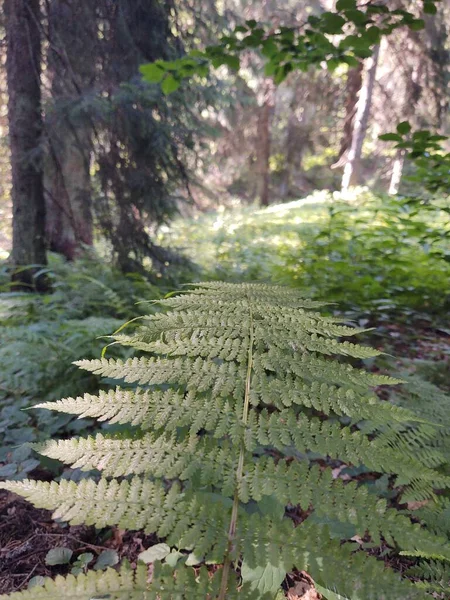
[353, 89]
[263, 143]
[397, 172]
[23, 67]
[353, 165]
[69, 144]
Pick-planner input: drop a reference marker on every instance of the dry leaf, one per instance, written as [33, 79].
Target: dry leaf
[304, 590]
[337, 473]
[417, 505]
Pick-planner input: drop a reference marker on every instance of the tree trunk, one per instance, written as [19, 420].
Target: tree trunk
[23, 67]
[263, 142]
[68, 193]
[353, 165]
[353, 89]
[397, 172]
[67, 165]
[413, 93]
[291, 153]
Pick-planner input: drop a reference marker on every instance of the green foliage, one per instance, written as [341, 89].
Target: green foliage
[238, 418]
[369, 253]
[287, 49]
[42, 335]
[431, 160]
[419, 385]
[422, 381]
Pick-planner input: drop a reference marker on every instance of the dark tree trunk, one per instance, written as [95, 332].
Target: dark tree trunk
[69, 144]
[23, 66]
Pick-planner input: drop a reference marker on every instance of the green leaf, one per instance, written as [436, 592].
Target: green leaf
[404, 127]
[373, 34]
[173, 558]
[345, 4]
[333, 64]
[265, 579]
[429, 8]
[36, 581]
[8, 470]
[232, 62]
[332, 23]
[271, 507]
[270, 68]
[437, 138]
[58, 556]
[351, 61]
[154, 553]
[269, 47]
[377, 9]
[390, 137]
[170, 84]
[193, 560]
[108, 558]
[203, 70]
[85, 558]
[417, 24]
[329, 594]
[152, 73]
[358, 17]
[423, 134]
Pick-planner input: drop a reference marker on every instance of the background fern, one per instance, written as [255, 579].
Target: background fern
[240, 413]
[43, 335]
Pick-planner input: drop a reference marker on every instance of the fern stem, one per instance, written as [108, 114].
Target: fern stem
[240, 467]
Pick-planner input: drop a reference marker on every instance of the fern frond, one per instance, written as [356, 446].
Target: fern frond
[185, 520]
[137, 584]
[237, 401]
[223, 379]
[150, 409]
[125, 584]
[436, 576]
[160, 456]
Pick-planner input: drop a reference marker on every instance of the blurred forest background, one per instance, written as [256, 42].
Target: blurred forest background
[124, 192]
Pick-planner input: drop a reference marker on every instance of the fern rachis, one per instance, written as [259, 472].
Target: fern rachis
[237, 399]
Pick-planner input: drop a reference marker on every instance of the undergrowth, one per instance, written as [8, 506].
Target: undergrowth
[366, 252]
[42, 335]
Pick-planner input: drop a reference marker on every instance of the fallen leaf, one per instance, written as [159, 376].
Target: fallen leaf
[304, 590]
[337, 473]
[417, 505]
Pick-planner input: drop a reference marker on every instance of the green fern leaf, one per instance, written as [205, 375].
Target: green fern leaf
[238, 405]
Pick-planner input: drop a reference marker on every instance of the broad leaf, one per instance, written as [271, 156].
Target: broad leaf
[157, 552]
[264, 579]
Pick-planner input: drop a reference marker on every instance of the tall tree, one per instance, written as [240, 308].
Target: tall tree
[421, 59]
[263, 134]
[23, 66]
[136, 149]
[353, 164]
[353, 88]
[71, 70]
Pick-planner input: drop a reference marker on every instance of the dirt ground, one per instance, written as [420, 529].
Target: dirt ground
[28, 533]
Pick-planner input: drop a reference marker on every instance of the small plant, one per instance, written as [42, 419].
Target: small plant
[239, 418]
